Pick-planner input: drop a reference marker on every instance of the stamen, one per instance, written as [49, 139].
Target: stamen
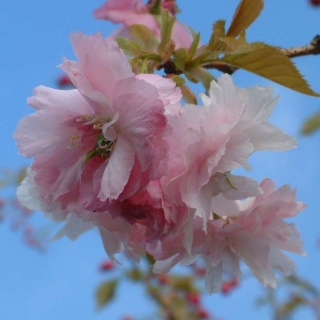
[96, 121]
[75, 141]
[103, 147]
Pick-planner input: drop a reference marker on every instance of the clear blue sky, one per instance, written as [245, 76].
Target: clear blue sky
[60, 284]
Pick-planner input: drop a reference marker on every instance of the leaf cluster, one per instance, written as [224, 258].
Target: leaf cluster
[227, 50]
[299, 294]
[170, 292]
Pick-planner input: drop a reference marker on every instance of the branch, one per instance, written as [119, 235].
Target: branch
[165, 306]
[312, 48]
[169, 68]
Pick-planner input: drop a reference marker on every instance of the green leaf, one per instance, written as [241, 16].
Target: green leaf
[106, 292]
[193, 48]
[219, 28]
[246, 13]
[128, 46]
[183, 283]
[151, 260]
[303, 284]
[146, 66]
[144, 37]
[218, 32]
[227, 44]
[179, 58]
[135, 65]
[312, 124]
[190, 77]
[204, 76]
[178, 80]
[289, 307]
[156, 7]
[167, 51]
[203, 56]
[187, 95]
[269, 62]
[134, 274]
[167, 23]
[222, 44]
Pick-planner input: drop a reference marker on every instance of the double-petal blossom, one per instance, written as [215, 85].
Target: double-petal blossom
[257, 235]
[213, 139]
[104, 140]
[120, 153]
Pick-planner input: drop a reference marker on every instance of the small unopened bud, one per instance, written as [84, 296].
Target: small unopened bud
[64, 81]
[170, 5]
[163, 279]
[203, 314]
[315, 2]
[228, 286]
[106, 266]
[194, 298]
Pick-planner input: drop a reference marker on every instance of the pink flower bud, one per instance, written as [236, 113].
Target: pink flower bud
[203, 314]
[194, 298]
[106, 266]
[64, 81]
[315, 2]
[228, 286]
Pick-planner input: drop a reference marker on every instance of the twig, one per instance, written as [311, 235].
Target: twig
[312, 48]
[170, 68]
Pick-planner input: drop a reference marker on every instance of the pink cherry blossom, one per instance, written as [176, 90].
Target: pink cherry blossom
[120, 153]
[104, 140]
[135, 223]
[129, 12]
[128, 226]
[257, 235]
[212, 140]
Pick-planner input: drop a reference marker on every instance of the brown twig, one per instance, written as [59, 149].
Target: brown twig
[312, 48]
[170, 68]
[221, 66]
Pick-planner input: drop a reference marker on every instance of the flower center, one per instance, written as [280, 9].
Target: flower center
[97, 122]
[103, 147]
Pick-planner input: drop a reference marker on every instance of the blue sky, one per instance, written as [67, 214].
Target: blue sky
[60, 284]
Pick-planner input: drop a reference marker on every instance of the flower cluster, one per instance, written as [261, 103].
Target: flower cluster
[121, 153]
[129, 12]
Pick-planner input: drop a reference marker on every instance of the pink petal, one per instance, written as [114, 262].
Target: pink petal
[266, 136]
[117, 172]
